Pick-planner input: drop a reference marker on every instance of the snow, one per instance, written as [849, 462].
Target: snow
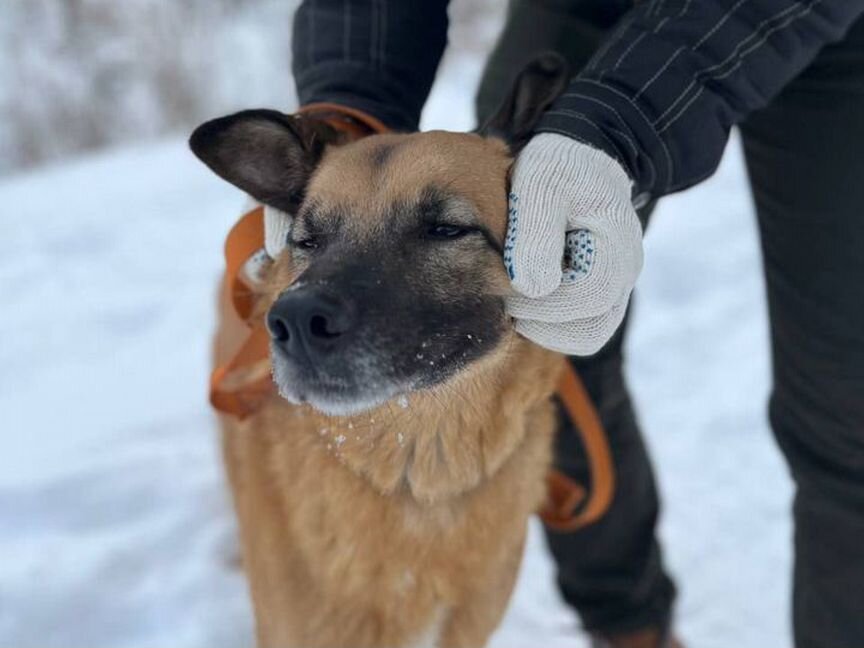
[114, 524]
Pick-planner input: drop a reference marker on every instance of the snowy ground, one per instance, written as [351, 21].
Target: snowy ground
[114, 529]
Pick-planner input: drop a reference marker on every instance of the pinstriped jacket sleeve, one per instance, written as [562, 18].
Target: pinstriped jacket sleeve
[663, 92]
[379, 56]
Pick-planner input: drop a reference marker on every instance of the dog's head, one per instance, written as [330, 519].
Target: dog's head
[392, 279]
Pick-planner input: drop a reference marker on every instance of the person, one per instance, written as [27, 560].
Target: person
[658, 85]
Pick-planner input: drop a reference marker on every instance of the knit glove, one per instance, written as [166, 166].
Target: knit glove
[574, 244]
[277, 227]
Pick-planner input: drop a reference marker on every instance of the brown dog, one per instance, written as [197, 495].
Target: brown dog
[383, 500]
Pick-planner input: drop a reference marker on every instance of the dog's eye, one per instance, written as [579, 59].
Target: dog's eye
[304, 244]
[446, 231]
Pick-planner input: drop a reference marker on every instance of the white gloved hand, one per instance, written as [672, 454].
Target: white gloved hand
[277, 227]
[574, 244]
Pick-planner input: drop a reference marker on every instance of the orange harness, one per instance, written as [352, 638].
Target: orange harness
[243, 384]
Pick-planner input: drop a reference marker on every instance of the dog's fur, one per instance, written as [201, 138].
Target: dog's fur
[400, 520]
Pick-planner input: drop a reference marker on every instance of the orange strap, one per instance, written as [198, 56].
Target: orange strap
[354, 123]
[568, 507]
[242, 385]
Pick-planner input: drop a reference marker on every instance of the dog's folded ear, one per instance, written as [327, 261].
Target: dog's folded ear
[266, 153]
[539, 83]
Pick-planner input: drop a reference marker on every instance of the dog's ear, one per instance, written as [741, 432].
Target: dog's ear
[266, 153]
[535, 88]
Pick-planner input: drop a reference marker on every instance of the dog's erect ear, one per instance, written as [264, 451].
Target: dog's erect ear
[537, 86]
[267, 154]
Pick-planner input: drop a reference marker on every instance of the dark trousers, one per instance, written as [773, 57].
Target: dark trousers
[805, 159]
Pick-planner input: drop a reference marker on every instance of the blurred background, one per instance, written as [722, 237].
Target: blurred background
[114, 523]
[82, 75]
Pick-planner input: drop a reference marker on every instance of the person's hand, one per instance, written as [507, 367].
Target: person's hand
[574, 244]
[277, 228]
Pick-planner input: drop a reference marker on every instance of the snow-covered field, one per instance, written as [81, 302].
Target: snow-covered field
[114, 527]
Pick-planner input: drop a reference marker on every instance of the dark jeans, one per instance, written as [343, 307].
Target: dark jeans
[805, 158]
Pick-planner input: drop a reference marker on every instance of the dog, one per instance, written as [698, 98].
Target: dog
[383, 494]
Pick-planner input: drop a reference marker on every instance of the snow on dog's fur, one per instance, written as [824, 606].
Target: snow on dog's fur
[383, 499]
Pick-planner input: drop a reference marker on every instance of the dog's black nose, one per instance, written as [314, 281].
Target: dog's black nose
[309, 320]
